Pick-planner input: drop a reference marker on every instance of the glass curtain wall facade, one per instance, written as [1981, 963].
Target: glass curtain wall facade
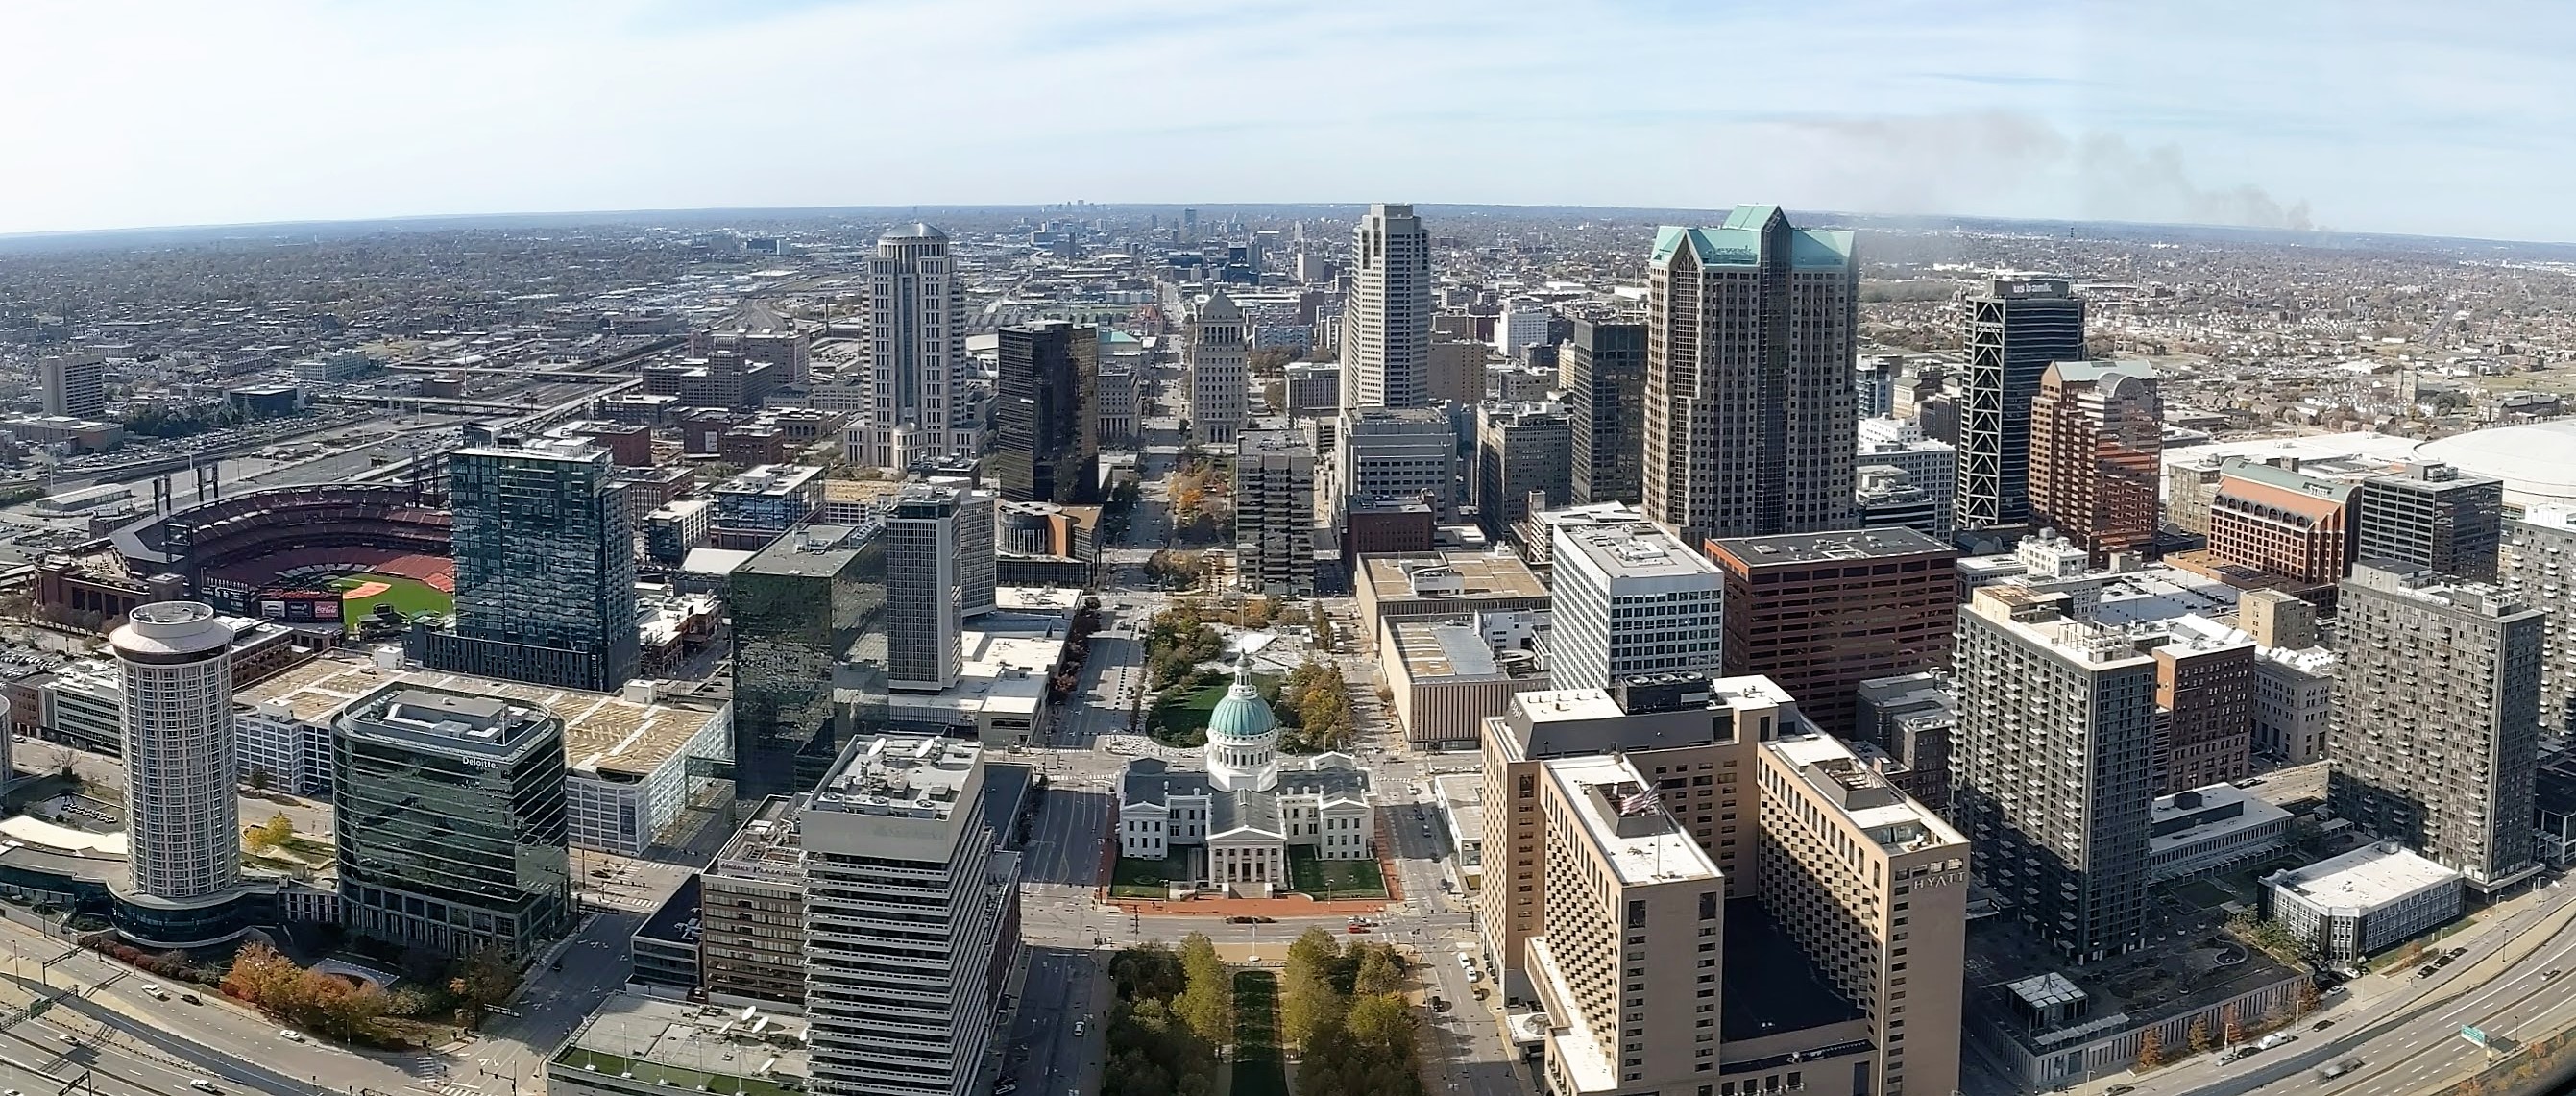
[450, 812]
[809, 621]
[545, 569]
[1606, 401]
[1042, 413]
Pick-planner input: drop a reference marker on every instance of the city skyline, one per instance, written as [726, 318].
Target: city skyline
[2287, 119]
[1845, 620]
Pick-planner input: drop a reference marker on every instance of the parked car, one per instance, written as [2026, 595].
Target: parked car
[2426, 971]
[2119, 1090]
[2321, 1025]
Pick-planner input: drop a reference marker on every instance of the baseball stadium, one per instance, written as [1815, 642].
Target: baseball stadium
[310, 554]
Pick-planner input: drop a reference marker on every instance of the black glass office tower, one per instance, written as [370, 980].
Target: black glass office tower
[449, 809]
[545, 569]
[809, 652]
[2015, 330]
[1042, 413]
[1606, 406]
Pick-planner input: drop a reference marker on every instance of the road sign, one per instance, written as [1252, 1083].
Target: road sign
[2473, 1035]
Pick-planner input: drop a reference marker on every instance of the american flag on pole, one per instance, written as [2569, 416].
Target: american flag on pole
[1640, 801]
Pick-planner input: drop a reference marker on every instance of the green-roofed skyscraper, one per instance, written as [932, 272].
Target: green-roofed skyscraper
[1750, 427]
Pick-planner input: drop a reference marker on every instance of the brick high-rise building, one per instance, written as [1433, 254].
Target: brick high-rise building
[1859, 875]
[1819, 613]
[2436, 720]
[1813, 886]
[2282, 523]
[2204, 711]
[1749, 341]
[2096, 441]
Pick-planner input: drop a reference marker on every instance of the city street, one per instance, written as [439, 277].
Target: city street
[1070, 932]
[510, 1054]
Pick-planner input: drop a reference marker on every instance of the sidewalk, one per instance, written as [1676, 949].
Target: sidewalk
[1294, 906]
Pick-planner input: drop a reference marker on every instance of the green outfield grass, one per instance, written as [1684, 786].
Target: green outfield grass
[407, 595]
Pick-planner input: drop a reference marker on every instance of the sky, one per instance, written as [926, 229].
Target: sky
[2439, 119]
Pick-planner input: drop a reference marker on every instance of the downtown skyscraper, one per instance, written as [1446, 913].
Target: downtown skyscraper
[1386, 319]
[1749, 404]
[1216, 350]
[182, 884]
[545, 568]
[1605, 399]
[916, 400]
[810, 652]
[1045, 449]
[911, 919]
[2096, 449]
[2015, 330]
[2436, 733]
[2052, 770]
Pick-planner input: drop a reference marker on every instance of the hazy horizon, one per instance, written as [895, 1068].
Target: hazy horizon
[2371, 117]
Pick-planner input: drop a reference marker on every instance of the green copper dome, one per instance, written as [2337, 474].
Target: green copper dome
[1242, 714]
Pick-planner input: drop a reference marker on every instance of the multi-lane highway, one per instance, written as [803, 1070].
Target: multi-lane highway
[132, 1038]
[2407, 1034]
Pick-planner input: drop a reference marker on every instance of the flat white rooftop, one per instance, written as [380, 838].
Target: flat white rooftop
[1636, 552]
[1553, 705]
[2364, 879]
[1663, 854]
[2212, 802]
